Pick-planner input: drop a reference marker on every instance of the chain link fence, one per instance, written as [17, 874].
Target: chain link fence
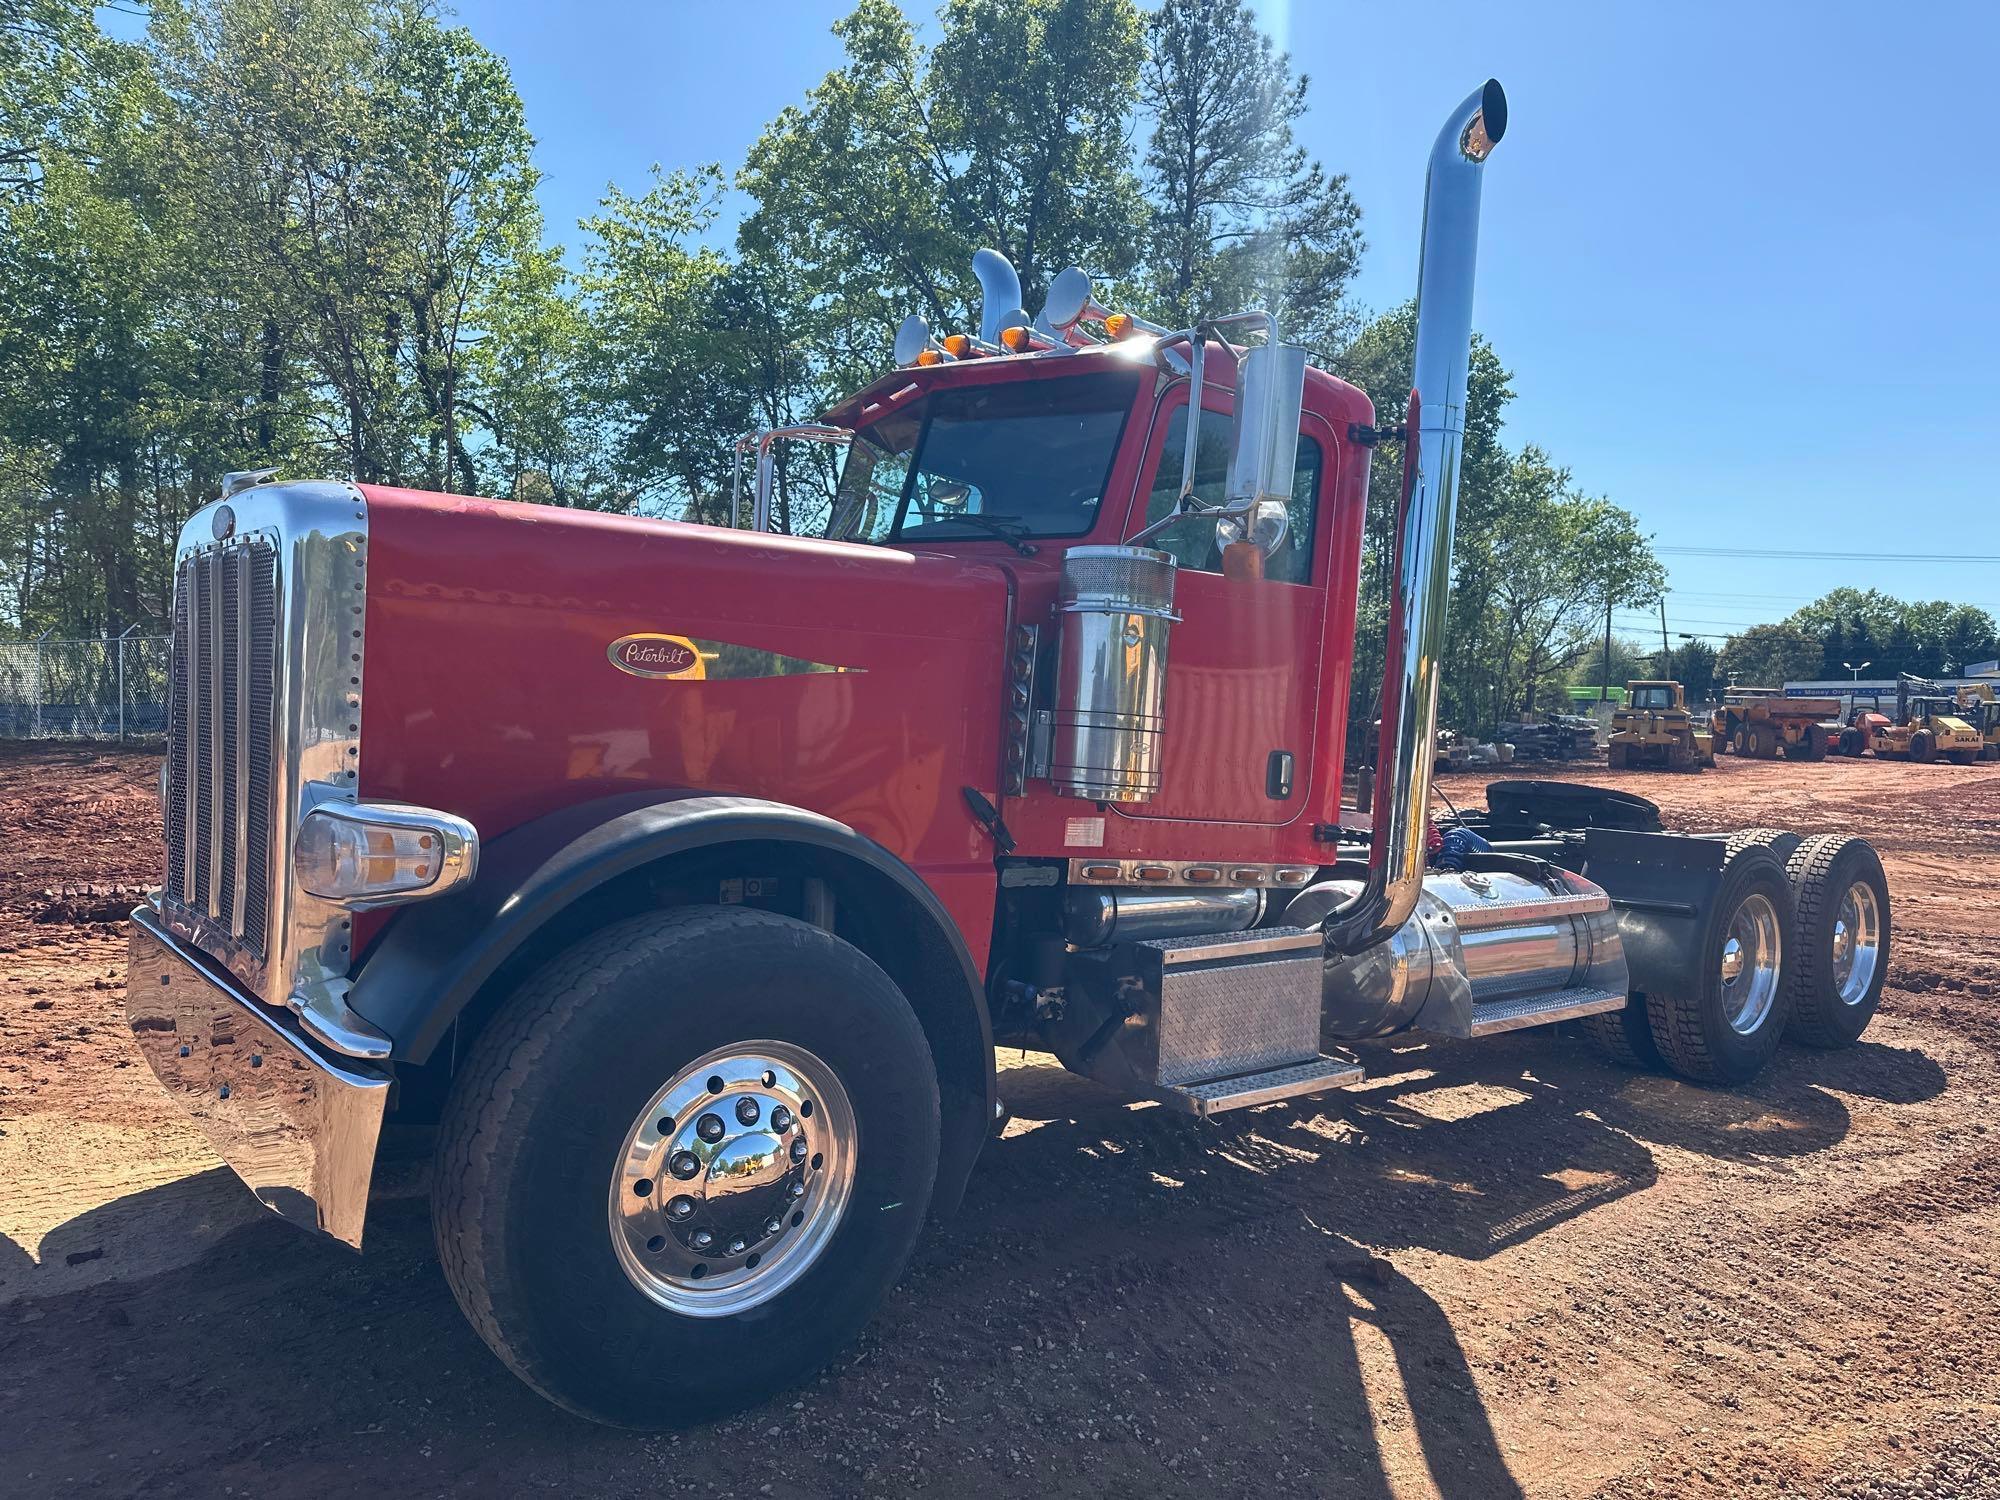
[84, 689]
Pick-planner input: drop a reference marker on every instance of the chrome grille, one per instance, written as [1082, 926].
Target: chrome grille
[219, 740]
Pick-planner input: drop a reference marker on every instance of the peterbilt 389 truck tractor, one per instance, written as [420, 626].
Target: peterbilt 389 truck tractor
[687, 876]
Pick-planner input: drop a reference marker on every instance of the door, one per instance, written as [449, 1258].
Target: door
[1243, 664]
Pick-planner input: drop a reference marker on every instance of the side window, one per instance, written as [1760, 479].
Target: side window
[1192, 539]
[871, 480]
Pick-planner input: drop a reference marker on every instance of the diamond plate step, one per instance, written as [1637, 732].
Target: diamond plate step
[1542, 1010]
[1246, 1089]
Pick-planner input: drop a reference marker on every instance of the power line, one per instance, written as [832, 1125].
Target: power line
[1800, 556]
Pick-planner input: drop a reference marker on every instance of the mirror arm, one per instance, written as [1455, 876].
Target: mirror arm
[1196, 339]
[1192, 447]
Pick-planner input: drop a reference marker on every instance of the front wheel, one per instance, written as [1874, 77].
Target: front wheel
[684, 1161]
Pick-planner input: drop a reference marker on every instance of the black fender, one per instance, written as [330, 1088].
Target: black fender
[436, 957]
[1663, 887]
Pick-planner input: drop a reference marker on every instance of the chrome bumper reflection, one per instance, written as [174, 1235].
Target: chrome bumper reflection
[297, 1125]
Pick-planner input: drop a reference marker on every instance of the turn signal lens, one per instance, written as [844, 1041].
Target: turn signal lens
[930, 357]
[1118, 325]
[1018, 340]
[375, 854]
[958, 345]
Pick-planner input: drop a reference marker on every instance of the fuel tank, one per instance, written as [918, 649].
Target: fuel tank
[1476, 939]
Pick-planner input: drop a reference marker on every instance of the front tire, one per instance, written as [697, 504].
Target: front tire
[1722, 1021]
[629, 1126]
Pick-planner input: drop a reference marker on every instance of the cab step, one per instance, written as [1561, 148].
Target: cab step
[1220, 1095]
[1542, 1010]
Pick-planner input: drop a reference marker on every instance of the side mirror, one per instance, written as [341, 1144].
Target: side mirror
[1264, 435]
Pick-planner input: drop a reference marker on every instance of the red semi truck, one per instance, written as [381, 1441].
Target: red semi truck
[688, 877]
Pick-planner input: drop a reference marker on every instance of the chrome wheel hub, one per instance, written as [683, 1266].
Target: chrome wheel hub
[1752, 952]
[733, 1178]
[1857, 943]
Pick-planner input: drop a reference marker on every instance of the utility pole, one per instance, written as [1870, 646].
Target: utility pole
[1666, 651]
[1604, 687]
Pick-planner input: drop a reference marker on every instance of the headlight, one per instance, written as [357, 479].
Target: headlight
[367, 854]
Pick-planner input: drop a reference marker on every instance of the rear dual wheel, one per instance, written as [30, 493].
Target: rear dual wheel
[684, 1161]
[1722, 1023]
[1843, 950]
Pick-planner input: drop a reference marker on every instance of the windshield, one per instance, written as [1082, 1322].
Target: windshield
[1025, 457]
[1653, 697]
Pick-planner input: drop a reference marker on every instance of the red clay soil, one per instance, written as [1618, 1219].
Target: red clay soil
[1495, 1268]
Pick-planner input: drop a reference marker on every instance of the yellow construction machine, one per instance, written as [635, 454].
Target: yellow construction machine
[1654, 728]
[1927, 725]
[1759, 722]
[1978, 706]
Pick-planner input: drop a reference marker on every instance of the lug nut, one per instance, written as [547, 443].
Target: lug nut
[710, 1127]
[684, 1164]
[737, 1246]
[798, 1148]
[772, 1226]
[781, 1119]
[746, 1111]
[703, 1239]
[680, 1208]
[797, 1190]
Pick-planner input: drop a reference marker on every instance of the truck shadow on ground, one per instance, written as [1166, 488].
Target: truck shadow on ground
[1225, 1279]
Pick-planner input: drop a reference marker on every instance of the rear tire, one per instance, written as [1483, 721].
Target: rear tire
[1816, 742]
[550, 1159]
[1761, 742]
[1619, 757]
[1843, 949]
[1923, 747]
[1853, 742]
[1625, 1036]
[1723, 1022]
[1780, 841]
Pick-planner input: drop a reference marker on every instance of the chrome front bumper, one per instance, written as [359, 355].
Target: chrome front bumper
[299, 1125]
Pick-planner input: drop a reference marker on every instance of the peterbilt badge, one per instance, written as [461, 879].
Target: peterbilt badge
[658, 656]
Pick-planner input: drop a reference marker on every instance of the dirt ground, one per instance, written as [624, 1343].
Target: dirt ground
[1495, 1268]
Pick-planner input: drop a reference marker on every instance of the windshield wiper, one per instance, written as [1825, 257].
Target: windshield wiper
[1008, 528]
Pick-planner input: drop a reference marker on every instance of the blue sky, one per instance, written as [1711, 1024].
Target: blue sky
[1738, 256]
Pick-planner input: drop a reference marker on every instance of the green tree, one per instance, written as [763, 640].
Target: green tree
[1379, 361]
[1556, 559]
[1768, 655]
[1694, 663]
[901, 163]
[1241, 216]
[653, 291]
[52, 63]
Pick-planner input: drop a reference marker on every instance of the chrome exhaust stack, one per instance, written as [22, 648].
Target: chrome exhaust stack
[1432, 456]
[999, 295]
